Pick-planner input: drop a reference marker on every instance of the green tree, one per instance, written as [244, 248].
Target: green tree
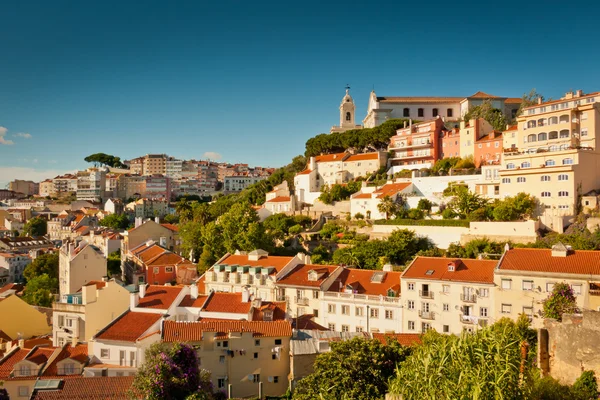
[391, 207]
[465, 202]
[113, 263]
[486, 111]
[586, 386]
[356, 369]
[190, 234]
[425, 205]
[242, 231]
[514, 208]
[320, 255]
[35, 227]
[528, 100]
[444, 165]
[330, 230]
[560, 301]
[105, 159]
[213, 248]
[183, 208]
[43, 264]
[278, 225]
[115, 221]
[38, 291]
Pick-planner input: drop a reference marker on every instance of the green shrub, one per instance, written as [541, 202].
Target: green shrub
[359, 216]
[586, 386]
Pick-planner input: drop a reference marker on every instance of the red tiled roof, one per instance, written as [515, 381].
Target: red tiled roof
[227, 303]
[362, 157]
[299, 275]
[93, 388]
[494, 135]
[513, 100]
[363, 195]
[197, 303]
[360, 280]
[78, 353]
[391, 189]
[277, 262]
[305, 321]
[276, 307]
[483, 95]
[201, 284]
[583, 262]
[512, 128]
[305, 172]
[129, 326]
[330, 157]
[98, 284]
[17, 287]
[171, 227]
[8, 364]
[159, 297]
[279, 199]
[192, 331]
[405, 339]
[466, 270]
[40, 355]
[4, 337]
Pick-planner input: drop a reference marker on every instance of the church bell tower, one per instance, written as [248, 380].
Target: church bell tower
[347, 111]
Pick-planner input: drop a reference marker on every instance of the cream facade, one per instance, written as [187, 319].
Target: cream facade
[470, 132]
[15, 264]
[347, 114]
[91, 184]
[78, 265]
[366, 201]
[19, 318]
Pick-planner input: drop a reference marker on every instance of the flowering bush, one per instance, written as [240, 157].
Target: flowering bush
[172, 372]
[561, 301]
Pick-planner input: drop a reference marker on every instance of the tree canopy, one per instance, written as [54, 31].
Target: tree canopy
[115, 221]
[561, 301]
[36, 227]
[43, 264]
[486, 111]
[105, 159]
[38, 291]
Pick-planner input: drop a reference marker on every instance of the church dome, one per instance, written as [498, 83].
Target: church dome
[347, 98]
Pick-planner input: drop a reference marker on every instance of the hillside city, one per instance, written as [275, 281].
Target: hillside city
[432, 248]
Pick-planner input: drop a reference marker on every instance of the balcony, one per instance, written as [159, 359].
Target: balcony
[427, 315]
[282, 298]
[473, 320]
[468, 298]
[411, 156]
[426, 294]
[410, 145]
[301, 301]
[362, 297]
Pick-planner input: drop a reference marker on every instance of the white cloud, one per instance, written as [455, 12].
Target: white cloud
[35, 160]
[4, 141]
[8, 174]
[211, 155]
[52, 161]
[23, 135]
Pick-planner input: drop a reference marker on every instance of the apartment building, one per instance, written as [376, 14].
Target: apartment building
[14, 264]
[28, 188]
[173, 168]
[239, 353]
[470, 132]
[47, 188]
[131, 186]
[280, 200]
[417, 146]
[136, 166]
[450, 143]
[368, 199]
[148, 208]
[448, 295]
[158, 187]
[238, 182]
[64, 184]
[151, 262]
[78, 316]
[79, 263]
[553, 154]
[526, 277]
[208, 176]
[154, 164]
[91, 184]
[488, 149]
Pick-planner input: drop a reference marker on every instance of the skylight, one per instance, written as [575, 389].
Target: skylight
[429, 272]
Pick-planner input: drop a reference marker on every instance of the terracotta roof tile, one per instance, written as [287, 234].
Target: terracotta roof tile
[174, 331]
[391, 189]
[129, 326]
[279, 199]
[98, 284]
[363, 196]
[94, 388]
[582, 262]
[330, 157]
[277, 262]
[513, 100]
[159, 297]
[40, 355]
[78, 353]
[389, 99]
[305, 321]
[405, 339]
[362, 157]
[9, 362]
[277, 308]
[305, 172]
[466, 270]
[17, 287]
[483, 95]
[299, 275]
[361, 282]
[197, 303]
[171, 227]
[227, 303]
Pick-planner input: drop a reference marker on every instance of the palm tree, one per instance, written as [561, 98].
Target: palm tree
[184, 209]
[387, 206]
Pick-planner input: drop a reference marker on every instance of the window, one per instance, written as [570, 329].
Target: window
[549, 286]
[273, 356]
[521, 179]
[389, 314]
[24, 370]
[531, 124]
[420, 112]
[411, 325]
[277, 342]
[331, 327]
[563, 177]
[224, 343]
[553, 135]
[484, 292]
[550, 163]
[576, 289]
[331, 308]
[359, 311]
[525, 164]
[169, 269]
[446, 288]
[411, 286]
[497, 144]
[528, 285]
[222, 359]
[23, 391]
[374, 312]
[545, 178]
[345, 310]
[446, 307]
[345, 328]
[563, 193]
[542, 136]
[506, 284]
[564, 134]
[450, 112]
[257, 342]
[506, 308]
[531, 138]
[256, 378]
[546, 194]
[255, 355]
[348, 116]
[411, 305]
[104, 353]
[69, 369]
[552, 120]
[584, 132]
[446, 329]
[505, 180]
[221, 383]
[406, 112]
[275, 379]
[435, 112]
[510, 166]
[567, 161]
[315, 294]
[483, 312]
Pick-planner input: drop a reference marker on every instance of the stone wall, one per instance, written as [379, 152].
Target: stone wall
[516, 232]
[441, 236]
[567, 348]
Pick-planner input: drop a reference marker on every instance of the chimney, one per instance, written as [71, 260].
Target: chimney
[157, 220]
[142, 290]
[404, 124]
[194, 291]
[245, 295]
[134, 300]
[410, 124]
[539, 100]
[579, 93]
[138, 221]
[388, 268]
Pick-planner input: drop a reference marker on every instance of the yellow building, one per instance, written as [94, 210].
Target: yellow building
[239, 353]
[19, 318]
[554, 155]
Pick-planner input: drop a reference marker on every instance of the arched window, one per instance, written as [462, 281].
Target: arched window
[521, 179]
[545, 194]
[563, 177]
[545, 178]
[450, 112]
[563, 119]
[550, 163]
[435, 112]
[552, 120]
[420, 112]
[553, 135]
[510, 166]
[564, 134]
[553, 148]
[563, 193]
[406, 112]
[531, 138]
[525, 164]
[505, 180]
[348, 116]
[541, 121]
[563, 146]
[542, 136]
[531, 124]
[567, 161]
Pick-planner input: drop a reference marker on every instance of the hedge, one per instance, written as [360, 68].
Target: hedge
[424, 222]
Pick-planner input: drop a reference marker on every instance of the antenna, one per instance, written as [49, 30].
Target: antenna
[347, 86]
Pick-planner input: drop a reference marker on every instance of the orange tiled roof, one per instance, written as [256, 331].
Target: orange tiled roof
[171, 227]
[512, 128]
[389, 99]
[360, 281]
[278, 309]
[330, 157]
[78, 353]
[98, 284]
[279, 199]
[17, 287]
[277, 262]
[305, 172]
[192, 331]
[129, 326]
[299, 275]
[466, 270]
[40, 355]
[582, 262]
[391, 189]
[305, 321]
[363, 195]
[227, 303]
[483, 95]
[8, 364]
[405, 339]
[93, 388]
[362, 157]
[197, 302]
[583, 96]
[494, 135]
[159, 297]
[513, 100]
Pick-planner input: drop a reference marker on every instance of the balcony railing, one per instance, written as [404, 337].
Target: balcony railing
[363, 297]
[282, 298]
[427, 315]
[301, 301]
[410, 146]
[594, 292]
[473, 320]
[468, 298]
[426, 294]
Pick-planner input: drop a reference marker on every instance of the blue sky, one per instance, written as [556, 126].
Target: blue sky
[252, 81]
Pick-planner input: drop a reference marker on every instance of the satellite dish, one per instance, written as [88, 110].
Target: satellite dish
[270, 379]
[250, 377]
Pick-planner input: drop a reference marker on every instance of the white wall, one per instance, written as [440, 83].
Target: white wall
[442, 236]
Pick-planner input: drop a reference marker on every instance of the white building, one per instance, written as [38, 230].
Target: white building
[14, 264]
[237, 183]
[280, 200]
[91, 184]
[347, 114]
[368, 199]
[174, 168]
[78, 265]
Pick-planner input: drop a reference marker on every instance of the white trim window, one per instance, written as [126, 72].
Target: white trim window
[506, 284]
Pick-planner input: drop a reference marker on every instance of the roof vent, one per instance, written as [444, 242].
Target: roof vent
[429, 272]
[560, 250]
